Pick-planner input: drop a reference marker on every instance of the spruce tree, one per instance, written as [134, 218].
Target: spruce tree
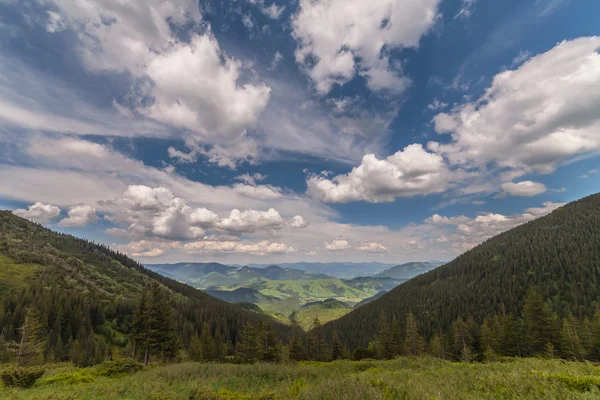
[208, 349]
[570, 341]
[436, 347]
[195, 350]
[161, 339]
[247, 344]
[33, 336]
[413, 342]
[539, 323]
[337, 351]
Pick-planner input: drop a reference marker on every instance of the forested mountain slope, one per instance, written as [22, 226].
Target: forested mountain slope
[558, 254]
[80, 288]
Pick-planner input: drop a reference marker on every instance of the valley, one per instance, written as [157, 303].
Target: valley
[283, 292]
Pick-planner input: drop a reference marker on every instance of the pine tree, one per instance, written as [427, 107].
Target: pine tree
[208, 349]
[32, 339]
[461, 338]
[317, 345]
[268, 343]
[539, 323]
[140, 326]
[247, 344]
[195, 350]
[161, 339]
[384, 345]
[337, 351]
[413, 342]
[570, 341]
[436, 347]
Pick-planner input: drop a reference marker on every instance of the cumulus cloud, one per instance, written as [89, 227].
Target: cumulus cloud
[38, 212]
[251, 179]
[147, 248]
[465, 233]
[531, 118]
[410, 172]
[263, 192]
[524, 188]
[191, 85]
[273, 11]
[79, 216]
[338, 39]
[251, 221]
[337, 244]
[298, 222]
[156, 212]
[261, 248]
[372, 247]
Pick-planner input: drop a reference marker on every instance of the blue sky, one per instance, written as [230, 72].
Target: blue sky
[256, 131]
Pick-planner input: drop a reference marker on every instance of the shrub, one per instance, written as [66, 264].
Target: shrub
[362, 366]
[579, 383]
[69, 378]
[22, 377]
[117, 367]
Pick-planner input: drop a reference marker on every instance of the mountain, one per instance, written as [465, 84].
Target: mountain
[241, 295]
[326, 310]
[342, 270]
[80, 287]
[408, 270]
[209, 275]
[370, 299]
[374, 284]
[558, 254]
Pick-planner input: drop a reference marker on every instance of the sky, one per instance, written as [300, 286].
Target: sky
[261, 131]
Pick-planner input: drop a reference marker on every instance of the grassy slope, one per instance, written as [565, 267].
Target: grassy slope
[397, 379]
[15, 275]
[326, 311]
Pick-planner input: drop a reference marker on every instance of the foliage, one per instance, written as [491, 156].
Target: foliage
[117, 367]
[410, 378]
[558, 254]
[22, 377]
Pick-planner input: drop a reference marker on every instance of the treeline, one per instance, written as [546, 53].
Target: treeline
[539, 332]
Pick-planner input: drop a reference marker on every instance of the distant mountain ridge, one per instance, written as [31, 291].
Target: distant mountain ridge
[408, 270]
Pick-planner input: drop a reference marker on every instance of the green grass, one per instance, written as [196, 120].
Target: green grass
[403, 378]
[14, 275]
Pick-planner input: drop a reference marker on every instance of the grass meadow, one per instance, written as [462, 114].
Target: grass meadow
[403, 378]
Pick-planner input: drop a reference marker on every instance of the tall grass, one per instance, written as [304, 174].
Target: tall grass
[403, 378]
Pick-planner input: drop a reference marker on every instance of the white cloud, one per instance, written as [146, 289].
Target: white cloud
[39, 212]
[193, 85]
[339, 38]
[532, 118]
[437, 105]
[413, 171]
[337, 244]
[273, 11]
[251, 221]
[55, 24]
[439, 220]
[79, 216]
[261, 248]
[298, 222]
[263, 192]
[547, 208]
[182, 157]
[520, 58]
[372, 247]
[251, 179]
[466, 9]
[465, 233]
[147, 248]
[524, 188]
[276, 60]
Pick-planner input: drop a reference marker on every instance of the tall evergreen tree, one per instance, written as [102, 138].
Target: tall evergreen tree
[337, 351]
[539, 323]
[413, 342]
[208, 348]
[33, 336]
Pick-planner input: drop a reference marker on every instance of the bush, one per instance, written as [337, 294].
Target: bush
[117, 367]
[70, 378]
[362, 366]
[22, 377]
[579, 383]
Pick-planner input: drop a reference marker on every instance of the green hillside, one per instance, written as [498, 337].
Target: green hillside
[326, 310]
[81, 290]
[558, 254]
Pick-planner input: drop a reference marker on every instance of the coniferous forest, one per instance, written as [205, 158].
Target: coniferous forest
[529, 292]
